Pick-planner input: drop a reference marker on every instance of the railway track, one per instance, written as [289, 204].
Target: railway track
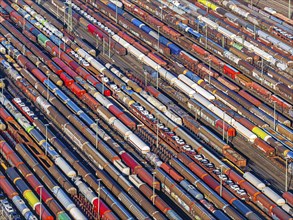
[131, 65]
[281, 6]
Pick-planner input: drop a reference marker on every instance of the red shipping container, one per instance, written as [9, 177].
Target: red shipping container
[280, 102]
[139, 12]
[41, 210]
[70, 72]
[249, 98]
[227, 128]
[95, 31]
[77, 90]
[176, 176]
[40, 76]
[66, 79]
[22, 61]
[230, 71]
[7, 188]
[146, 177]
[289, 197]
[130, 162]
[141, 48]
[157, 59]
[116, 111]
[55, 68]
[127, 121]
[73, 65]
[100, 206]
[199, 50]
[280, 213]
[153, 91]
[126, 37]
[260, 89]
[264, 147]
[155, 21]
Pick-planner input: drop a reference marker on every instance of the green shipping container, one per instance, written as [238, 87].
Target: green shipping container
[237, 46]
[31, 198]
[63, 216]
[42, 39]
[260, 133]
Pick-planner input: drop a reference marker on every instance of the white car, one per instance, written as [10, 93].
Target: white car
[205, 161]
[188, 148]
[217, 171]
[145, 112]
[223, 177]
[210, 165]
[229, 182]
[176, 138]
[235, 187]
[30, 113]
[105, 79]
[85, 63]
[140, 108]
[241, 192]
[150, 116]
[113, 86]
[161, 126]
[21, 104]
[17, 100]
[180, 141]
[199, 157]
[26, 109]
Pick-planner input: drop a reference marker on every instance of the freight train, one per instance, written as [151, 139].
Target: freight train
[281, 150]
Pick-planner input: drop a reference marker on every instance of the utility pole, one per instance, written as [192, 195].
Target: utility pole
[206, 36]
[286, 175]
[109, 46]
[99, 197]
[158, 38]
[103, 46]
[48, 87]
[154, 175]
[97, 124]
[46, 150]
[223, 126]
[116, 12]
[209, 71]
[221, 181]
[274, 115]
[146, 79]
[289, 10]
[70, 16]
[41, 202]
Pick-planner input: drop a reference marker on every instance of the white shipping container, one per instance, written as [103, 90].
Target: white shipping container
[274, 196]
[97, 65]
[118, 125]
[202, 100]
[156, 103]
[143, 147]
[244, 131]
[63, 165]
[104, 101]
[183, 87]
[254, 180]
[173, 117]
